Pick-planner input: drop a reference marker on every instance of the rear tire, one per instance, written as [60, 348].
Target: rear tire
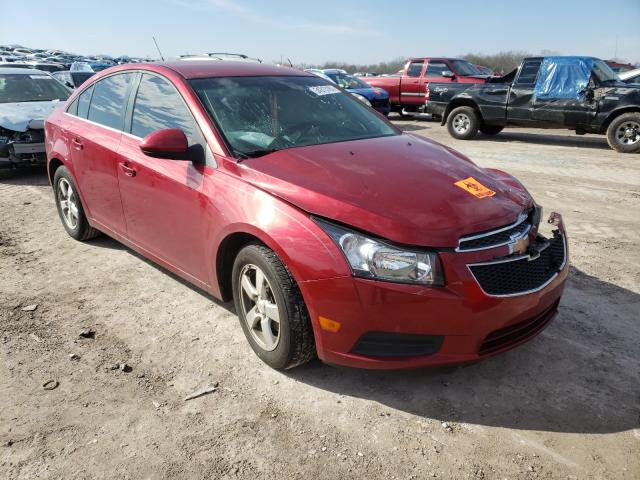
[623, 134]
[463, 123]
[70, 208]
[491, 129]
[263, 289]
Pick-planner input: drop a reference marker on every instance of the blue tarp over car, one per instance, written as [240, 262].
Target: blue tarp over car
[563, 78]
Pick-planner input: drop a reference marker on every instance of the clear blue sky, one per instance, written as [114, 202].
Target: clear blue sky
[312, 32]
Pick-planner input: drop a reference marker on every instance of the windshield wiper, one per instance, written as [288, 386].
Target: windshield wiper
[255, 153]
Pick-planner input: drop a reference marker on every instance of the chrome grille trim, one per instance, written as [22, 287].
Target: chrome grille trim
[521, 218]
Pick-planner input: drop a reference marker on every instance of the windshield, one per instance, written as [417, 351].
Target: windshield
[344, 80]
[603, 72]
[464, 68]
[259, 115]
[31, 88]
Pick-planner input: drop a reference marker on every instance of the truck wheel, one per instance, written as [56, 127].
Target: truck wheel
[463, 123]
[272, 312]
[623, 133]
[491, 129]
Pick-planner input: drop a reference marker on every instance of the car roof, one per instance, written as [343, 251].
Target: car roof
[22, 71]
[199, 69]
[629, 73]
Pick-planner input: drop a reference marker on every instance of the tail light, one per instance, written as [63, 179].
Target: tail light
[427, 92]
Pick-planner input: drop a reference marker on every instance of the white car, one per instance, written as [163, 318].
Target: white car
[630, 76]
[27, 97]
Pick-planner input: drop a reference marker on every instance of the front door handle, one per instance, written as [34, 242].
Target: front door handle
[128, 171]
[77, 143]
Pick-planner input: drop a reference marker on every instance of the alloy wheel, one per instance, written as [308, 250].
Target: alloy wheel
[461, 123]
[259, 307]
[628, 133]
[68, 203]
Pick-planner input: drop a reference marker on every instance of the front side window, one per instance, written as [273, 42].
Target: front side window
[464, 68]
[529, 73]
[36, 87]
[258, 115]
[414, 69]
[108, 100]
[158, 106]
[435, 69]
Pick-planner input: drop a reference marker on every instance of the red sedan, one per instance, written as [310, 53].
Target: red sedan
[334, 232]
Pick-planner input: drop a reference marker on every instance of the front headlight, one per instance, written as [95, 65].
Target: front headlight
[362, 98]
[372, 258]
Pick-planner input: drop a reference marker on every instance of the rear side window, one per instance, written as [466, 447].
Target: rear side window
[435, 69]
[528, 73]
[414, 69]
[83, 102]
[108, 101]
[158, 106]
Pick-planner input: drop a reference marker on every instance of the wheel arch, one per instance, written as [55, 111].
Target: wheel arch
[460, 102]
[52, 166]
[615, 114]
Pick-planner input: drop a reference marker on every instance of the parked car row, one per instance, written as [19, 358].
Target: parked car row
[579, 93]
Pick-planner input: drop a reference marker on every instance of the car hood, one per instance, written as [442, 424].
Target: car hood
[400, 188]
[370, 93]
[24, 115]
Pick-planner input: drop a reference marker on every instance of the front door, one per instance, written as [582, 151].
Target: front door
[163, 202]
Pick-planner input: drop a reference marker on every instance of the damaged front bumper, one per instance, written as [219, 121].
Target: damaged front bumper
[18, 149]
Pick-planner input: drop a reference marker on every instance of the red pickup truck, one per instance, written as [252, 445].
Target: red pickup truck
[407, 90]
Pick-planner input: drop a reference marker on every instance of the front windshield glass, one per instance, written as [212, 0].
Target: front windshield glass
[603, 72]
[31, 88]
[344, 80]
[259, 115]
[464, 68]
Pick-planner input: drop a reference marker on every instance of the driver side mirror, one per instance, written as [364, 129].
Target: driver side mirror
[448, 74]
[170, 143]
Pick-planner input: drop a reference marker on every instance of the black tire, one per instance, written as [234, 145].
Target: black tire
[296, 344]
[463, 123]
[491, 129]
[81, 230]
[627, 122]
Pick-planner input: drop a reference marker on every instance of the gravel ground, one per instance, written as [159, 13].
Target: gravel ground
[126, 342]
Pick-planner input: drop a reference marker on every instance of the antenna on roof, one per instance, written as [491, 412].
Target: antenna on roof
[154, 41]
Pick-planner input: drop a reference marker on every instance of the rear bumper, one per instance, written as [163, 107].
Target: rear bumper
[394, 326]
[22, 154]
[434, 108]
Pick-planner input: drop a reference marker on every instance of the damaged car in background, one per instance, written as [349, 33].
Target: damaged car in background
[27, 97]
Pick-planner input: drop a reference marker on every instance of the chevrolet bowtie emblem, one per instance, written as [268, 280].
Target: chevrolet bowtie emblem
[519, 246]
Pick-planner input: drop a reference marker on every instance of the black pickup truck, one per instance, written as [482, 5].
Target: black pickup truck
[578, 93]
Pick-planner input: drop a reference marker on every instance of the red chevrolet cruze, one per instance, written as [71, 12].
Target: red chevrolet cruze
[335, 233]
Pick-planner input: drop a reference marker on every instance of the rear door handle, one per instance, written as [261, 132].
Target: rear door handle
[77, 143]
[128, 171]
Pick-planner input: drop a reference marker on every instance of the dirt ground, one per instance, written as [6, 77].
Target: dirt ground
[565, 405]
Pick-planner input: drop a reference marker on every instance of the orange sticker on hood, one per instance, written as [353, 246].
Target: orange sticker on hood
[474, 187]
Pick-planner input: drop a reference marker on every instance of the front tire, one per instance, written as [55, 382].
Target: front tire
[623, 134]
[463, 123]
[70, 208]
[271, 309]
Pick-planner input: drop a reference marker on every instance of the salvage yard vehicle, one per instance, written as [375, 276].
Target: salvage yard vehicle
[27, 97]
[407, 91]
[374, 97]
[579, 93]
[332, 230]
[72, 79]
[630, 76]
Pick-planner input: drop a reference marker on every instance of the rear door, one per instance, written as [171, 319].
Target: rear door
[95, 133]
[520, 103]
[164, 206]
[412, 90]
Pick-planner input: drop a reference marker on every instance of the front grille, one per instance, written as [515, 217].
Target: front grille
[495, 238]
[385, 344]
[508, 336]
[522, 274]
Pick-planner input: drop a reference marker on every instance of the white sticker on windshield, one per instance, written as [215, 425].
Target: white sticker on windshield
[324, 90]
[38, 77]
